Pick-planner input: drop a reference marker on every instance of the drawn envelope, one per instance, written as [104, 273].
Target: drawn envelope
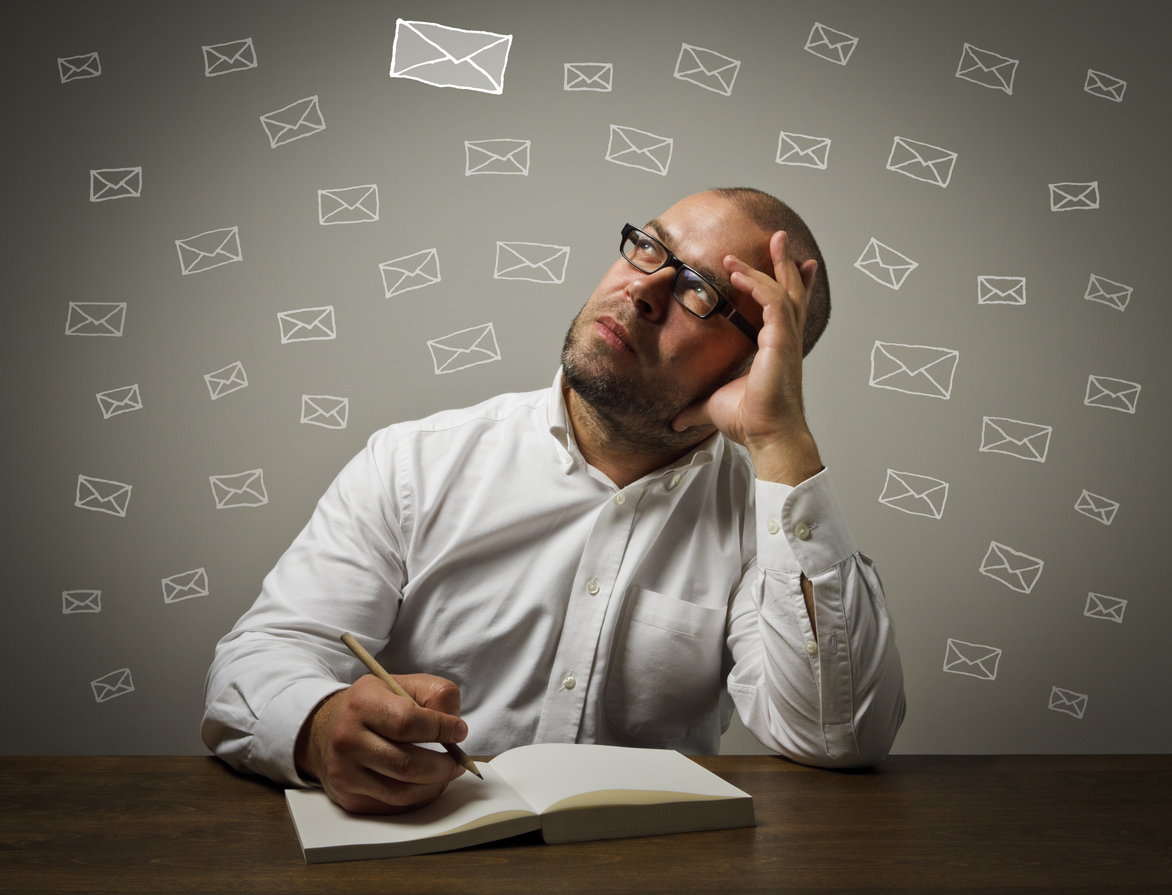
[1104, 85]
[639, 149]
[299, 119]
[596, 76]
[986, 68]
[241, 489]
[1108, 292]
[116, 683]
[1112, 394]
[326, 411]
[1097, 507]
[1108, 609]
[226, 380]
[95, 318]
[919, 495]
[410, 272]
[1027, 441]
[973, 659]
[222, 59]
[450, 57]
[74, 602]
[307, 325]
[1074, 704]
[1017, 571]
[119, 400]
[213, 248]
[348, 205]
[1001, 290]
[465, 348]
[1074, 196]
[535, 262]
[74, 68]
[102, 495]
[115, 183]
[707, 69]
[496, 157]
[884, 264]
[185, 585]
[832, 45]
[921, 161]
[803, 150]
[914, 369]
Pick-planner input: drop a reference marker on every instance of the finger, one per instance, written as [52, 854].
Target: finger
[431, 692]
[808, 270]
[695, 414]
[371, 793]
[398, 720]
[406, 763]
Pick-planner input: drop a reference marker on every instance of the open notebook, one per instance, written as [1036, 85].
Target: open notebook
[571, 792]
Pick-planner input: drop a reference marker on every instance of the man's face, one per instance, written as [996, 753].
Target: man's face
[635, 354]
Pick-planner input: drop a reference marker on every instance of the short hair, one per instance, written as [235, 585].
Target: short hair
[771, 214]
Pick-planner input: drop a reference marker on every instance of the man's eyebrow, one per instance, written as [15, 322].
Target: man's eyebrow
[719, 278]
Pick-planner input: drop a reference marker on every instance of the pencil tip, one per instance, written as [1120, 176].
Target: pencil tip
[476, 772]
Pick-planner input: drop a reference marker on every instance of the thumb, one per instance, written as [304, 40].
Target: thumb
[695, 414]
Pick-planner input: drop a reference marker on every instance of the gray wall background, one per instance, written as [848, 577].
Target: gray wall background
[207, 164]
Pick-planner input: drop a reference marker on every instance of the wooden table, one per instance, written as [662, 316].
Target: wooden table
[1090, 824]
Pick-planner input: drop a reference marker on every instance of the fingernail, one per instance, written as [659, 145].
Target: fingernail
[460, 731]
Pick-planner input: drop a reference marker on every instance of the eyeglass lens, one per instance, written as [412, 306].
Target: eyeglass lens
[689, 288]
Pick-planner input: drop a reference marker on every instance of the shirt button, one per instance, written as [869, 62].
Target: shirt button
[591, 588]
[811, 647]
[569, 682]
[676, 479]
[620, 498]
[802, 531]
[566, 458]
[773, 526]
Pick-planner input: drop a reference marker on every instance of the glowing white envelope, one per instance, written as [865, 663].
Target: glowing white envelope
[222, 59]
[1017, 571]
[1097, 507]
[986, 68]
[921, 161]
[919, 495]
[1112, 394]
[1074, 704]
[829, 44]
[450, 57]
[1108, 292]
[1027, 441]
[119, 400]
[973, 659]
[410, 272]
[74, 602]
[803, 150]
[639, 149]
[226, 380]
[884, 264]
[496, 157]
[596, 76]
[707, 68]
[1101, 606]
[1001, 290]
[185, 585]
[74, 68]
[348, 205]
[307, 325]
[102, 495]
[535, 262]
[1104, 85]
[914, 369]
[299, 119]
[465, 348]
[213, 248]
[1074, 196]
[326, 411]
[241, 489]
[116, 683]
[115, 183]
[95, 318]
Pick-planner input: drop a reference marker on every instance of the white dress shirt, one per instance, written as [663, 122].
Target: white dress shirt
[479, 546]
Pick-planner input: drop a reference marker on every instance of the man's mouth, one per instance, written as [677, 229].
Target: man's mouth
[614, 333]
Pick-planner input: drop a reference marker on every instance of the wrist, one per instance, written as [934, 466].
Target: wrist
[789, 460]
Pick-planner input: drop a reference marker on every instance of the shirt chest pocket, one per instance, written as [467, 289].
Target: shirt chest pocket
[663, 682]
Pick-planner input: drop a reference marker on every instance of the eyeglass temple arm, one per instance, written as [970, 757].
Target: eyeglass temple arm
[738, 321]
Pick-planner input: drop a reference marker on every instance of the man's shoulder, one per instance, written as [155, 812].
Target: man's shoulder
[499, 409]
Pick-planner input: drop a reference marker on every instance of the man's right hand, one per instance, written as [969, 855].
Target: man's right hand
[357, 744]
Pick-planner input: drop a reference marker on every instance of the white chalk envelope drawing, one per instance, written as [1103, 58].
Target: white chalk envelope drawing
[1073, 704]
[348, 205]
[972, 659]
[1108, 292]
[534, 262]
[1017, 438]
[597, 77]
[450, 57]
[1017, 571]
[918, 495]
[119, 400]
[225, 58]
[1104, 85]
[803, 150]
[410, 272]
[327, 411]
[116, 683]
[1074, 196]
[921, 161]
[80, 602]
[1105, 608]
[115, 183]
[1001, 290]
[834, 46]
[885, 265]
[634, 148]
[1112, 394]
[208, 250]
[226, 380]
[914, 369]
[307, 324]
[301, 118]
[502, 156]
[464, 348]
[707, 68]
[102, 495]
[1095, 506]
[987, 68]
[77, 68]
[240, 489]
[96, 318]
[185, 585]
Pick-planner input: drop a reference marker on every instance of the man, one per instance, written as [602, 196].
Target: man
[596, 562]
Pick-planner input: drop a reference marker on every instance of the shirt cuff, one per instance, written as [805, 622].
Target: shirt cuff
[275, 736]
[801, 528]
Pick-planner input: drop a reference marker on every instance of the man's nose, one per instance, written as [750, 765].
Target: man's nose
[651, 293]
